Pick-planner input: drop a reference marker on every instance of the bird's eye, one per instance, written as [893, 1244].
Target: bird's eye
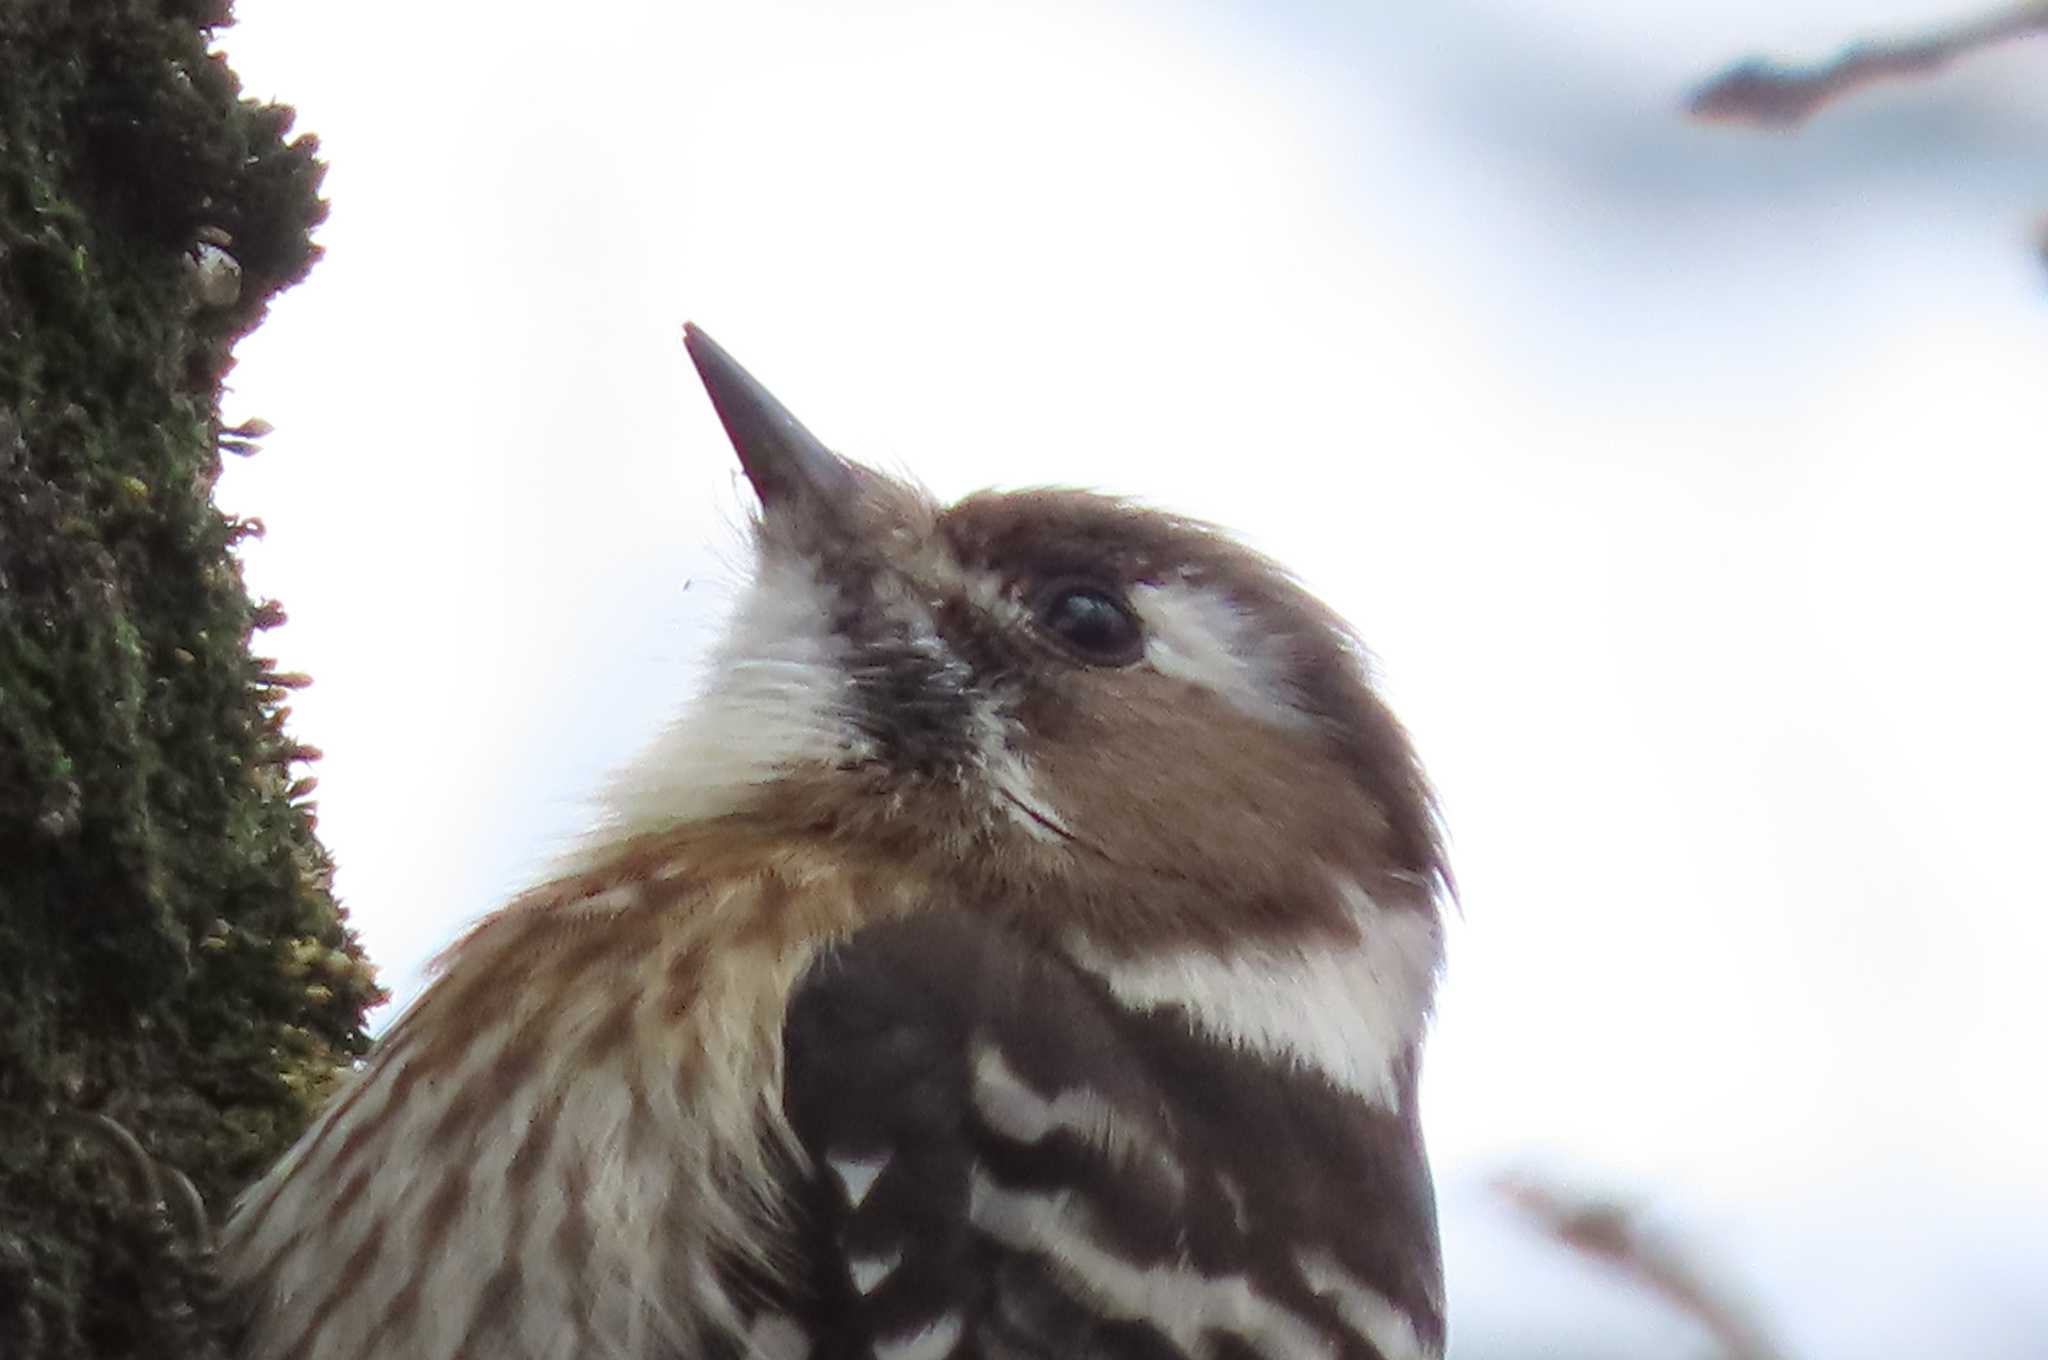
[1092, 623]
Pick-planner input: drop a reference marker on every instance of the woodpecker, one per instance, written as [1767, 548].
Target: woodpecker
[1022, 948]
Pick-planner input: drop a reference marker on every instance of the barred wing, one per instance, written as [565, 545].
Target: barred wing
[1006, 1163]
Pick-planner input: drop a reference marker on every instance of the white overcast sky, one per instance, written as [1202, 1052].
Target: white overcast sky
[1688, 483]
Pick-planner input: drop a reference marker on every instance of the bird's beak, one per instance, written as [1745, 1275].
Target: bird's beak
[790, 469]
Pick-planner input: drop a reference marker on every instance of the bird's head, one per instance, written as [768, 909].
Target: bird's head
[1071, 705]
[1039, 871]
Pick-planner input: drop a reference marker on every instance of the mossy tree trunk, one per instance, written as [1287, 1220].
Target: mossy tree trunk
[172, 963]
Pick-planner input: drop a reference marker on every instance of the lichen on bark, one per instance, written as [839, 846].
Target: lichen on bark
[171, 954]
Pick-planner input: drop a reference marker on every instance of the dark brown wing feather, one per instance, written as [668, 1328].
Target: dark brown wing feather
[1061, 1178]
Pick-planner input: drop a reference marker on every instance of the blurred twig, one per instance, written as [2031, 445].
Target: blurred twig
[1764, 93]
[1611, 1234]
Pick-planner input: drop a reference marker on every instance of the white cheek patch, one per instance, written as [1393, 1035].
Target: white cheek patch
[1348, 1013]
[1011, 785]
[779, 695]
[1199, 636]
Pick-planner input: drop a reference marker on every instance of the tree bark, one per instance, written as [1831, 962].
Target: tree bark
[177, 983]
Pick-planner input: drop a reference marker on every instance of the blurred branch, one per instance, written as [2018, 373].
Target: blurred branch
[1763, 93]
[1610, 1234]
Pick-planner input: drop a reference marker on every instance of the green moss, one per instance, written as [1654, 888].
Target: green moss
[160, 887]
